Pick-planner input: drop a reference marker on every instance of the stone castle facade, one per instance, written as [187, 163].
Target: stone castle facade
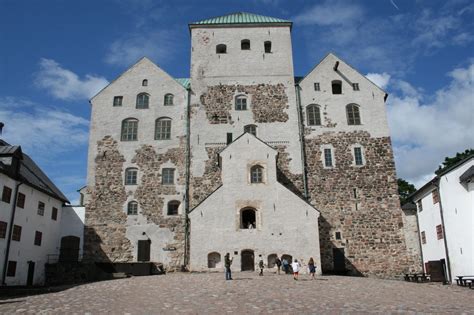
[244, 157]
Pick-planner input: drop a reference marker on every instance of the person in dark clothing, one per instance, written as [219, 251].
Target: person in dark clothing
[286, 265]
[261, 266]
[227, 264]
[278, 264]
[312, 268]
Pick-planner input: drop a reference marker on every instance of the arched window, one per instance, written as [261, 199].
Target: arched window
[252, 129]
[132, 208]
[143, 100]
[213, 260]
[256, 174]
[241, 102]
[129, 129]
[336, 87]
[245, 44]
[145, 82]
[271, 260]
[131, 176]
[163, 129]
[248, 218]
[221, 49]
[173, 207]
[169, 99]
[313, 114]
[353, 114]
[268, 47]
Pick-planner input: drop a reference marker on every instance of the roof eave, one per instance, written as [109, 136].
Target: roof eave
[227, 25]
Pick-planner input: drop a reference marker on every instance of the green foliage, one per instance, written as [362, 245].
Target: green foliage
[404, 190]
[450, 161]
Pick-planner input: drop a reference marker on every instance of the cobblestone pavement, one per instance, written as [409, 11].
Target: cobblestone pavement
[247, 293]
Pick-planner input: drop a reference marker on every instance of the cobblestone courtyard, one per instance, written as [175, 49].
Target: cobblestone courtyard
[247, 293]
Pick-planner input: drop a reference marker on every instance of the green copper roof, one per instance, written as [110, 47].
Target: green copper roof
[184, 82]
[240, 18]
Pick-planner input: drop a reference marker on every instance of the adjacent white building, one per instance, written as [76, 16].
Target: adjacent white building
[445, 208]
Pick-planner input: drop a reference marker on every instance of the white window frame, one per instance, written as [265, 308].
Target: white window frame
[323, 156]
[362, 152]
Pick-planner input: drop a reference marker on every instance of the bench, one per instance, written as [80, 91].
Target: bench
[417, 277]
[465, 281]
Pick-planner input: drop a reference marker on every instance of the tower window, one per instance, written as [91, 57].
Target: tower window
[143, 100]
[241, 102]
[163, 129]
[145, 82]
[358, 156]
[173, 207]
[132, 208]
[328, 158]
[355, 86]
[252, 129]
[338, 235]
[131, 176]
[268, 47]
[245, 44]
[256, 174]
[336, 87]
[118, 100]
[221, 49]
[313, 114]
[317, 87]
[353, 114]
[129, 129]
[167, 176]
[169, 99]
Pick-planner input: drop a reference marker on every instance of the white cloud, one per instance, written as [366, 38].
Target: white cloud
[65, 84]
[424, 133]
[129, 49]
[380, 79]
[330, 13]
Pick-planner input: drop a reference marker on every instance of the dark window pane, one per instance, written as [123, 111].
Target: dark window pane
[142, 100]
[38, 238]
[358, 156]
[131, 176]
[336, 87]
[327, 157]
[314, 115]
[11, 269]
[268, 47]
[132, 208]
[40, 208]
[20, 202]
[16, 235]
[118, 100]
[7, 194]
[129, 130]
[3, 229]
[167, 176]
[173, 207]
[54, 214]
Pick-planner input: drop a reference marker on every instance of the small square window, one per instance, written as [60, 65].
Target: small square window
[54, 214]
[423, 237]
[7, 194]
[118, 100]
[338, 235]
[16, 235]
[3, 229]
[167, 177]
[38, 238]
[20, 202]
[317, 87]
[40, 208]
[355, 86]
[11, 269]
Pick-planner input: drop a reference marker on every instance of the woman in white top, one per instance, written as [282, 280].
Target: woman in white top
[296, 269]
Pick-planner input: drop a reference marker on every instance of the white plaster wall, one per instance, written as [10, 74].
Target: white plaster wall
[458, 206]
[370, 98]
[25, 250]
[72, 224]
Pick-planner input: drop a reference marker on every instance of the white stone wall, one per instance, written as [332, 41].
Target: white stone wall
[24, 250]
[285, 224]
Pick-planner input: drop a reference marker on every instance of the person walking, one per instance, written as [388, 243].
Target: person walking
[312, 268]
[285, 265]
[278, 264]
[227, 264]
[261, 266]
[296, 269]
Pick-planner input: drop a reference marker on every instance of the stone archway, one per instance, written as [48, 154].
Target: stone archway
[247, 258]
[213, 260]
[271, 260]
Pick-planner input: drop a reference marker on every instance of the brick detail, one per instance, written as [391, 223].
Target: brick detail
[203, 185]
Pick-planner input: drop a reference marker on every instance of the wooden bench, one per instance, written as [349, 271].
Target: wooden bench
[465, 281]
[417, 277]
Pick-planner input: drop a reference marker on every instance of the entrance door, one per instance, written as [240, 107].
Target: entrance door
[31, 273]
[247, 259]
[339, 260]
[144, 250]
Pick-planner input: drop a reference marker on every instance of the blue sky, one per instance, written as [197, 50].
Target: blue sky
[54, 55]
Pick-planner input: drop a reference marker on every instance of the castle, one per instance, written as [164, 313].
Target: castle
[244, 157]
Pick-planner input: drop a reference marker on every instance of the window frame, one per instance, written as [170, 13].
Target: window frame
[41, 208]
[11, 268]
[132, 208]
[173, 203]
[54, 214]
[257, 174]
[317, 86]
[435, 196]
[118, 101]
[238, 102]
[3, 229]
[325, 157]
[439, 232]
[163, 132]
[221, 49]
[127, 132]
[423, 237]
[166, 100]
[419, 205]
[251, 128]
[145, 82]
[143, 104]
[267, 47]
[128, 177]
[16, 233]
[359, 158]
[38, 238]
[245, 42]
[336, 87]
[21, 200]
[353, 115]
[167, 176]
[7, 194]
[355, 87]
[313, 115]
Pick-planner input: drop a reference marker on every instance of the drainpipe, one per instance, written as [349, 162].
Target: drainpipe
[301, 131]
[186, 195]
[448, 262]
[10, 233]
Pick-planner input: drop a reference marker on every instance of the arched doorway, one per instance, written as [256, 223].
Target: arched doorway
[69, 250]
[213, 259]
[271, 260]
[289, 259]
[247, 260]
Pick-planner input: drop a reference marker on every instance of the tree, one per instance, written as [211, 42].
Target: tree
[404, 190]
[450, 161]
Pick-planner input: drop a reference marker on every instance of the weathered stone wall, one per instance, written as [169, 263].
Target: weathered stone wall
[268, 102]
[293, 182]
[202, 186]
[412, 239]
[360, 202]
[104, 233]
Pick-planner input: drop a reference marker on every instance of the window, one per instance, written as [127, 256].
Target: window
[327, 157]
[145, 82]
[313, 114]
[118, 100]
[173, 207]
[3, 229]
[163, 129]
[423, 237]
[229, 138]
[131, 176]
[353, 115]
[20, 202]
[252, 129]
[221, 49]
[256, 174]
[38, 237]
[129, 129]
[54, 214]
[248, 218]
[435, 196]
[11, 269]
[245, 44]
[7, 194]
[439, 232]
[167, 176]
[355, 86]
[336, 87]
[338, 235]
[358, 156]
[143, 100]
[268, 47]
[132, 208]
[241, 102]
[40, 208]
[16, 235]
[420, 205]
[317, 87]
[169, 99]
